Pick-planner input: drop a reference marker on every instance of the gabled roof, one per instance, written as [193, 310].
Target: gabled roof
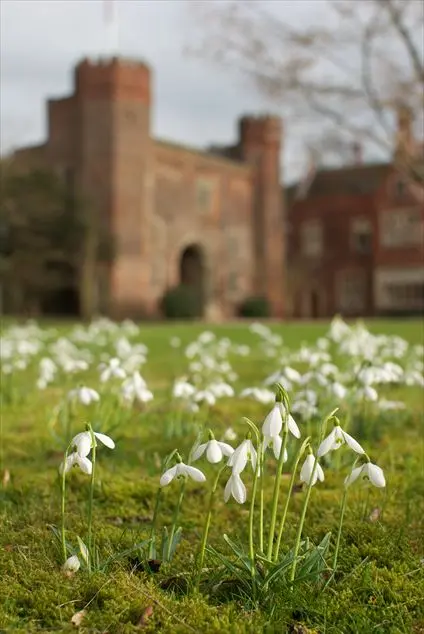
[351, 180]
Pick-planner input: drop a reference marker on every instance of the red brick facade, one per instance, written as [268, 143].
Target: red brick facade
[158, 199]
[355, 244]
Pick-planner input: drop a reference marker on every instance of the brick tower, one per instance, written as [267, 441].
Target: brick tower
[260, 145]
[115, 165]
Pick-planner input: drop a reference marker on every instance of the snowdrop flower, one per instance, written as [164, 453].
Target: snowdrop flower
[84, 395]
[292, 425]
[262, 395]
[307, 469]
[181, 470]
[369, 393]
[276, 442]
[230, 434]
[368, 471]
[83, 442]
[235, 488]
[183, 389]
[135, 387]
[205, 396]
[221, 389]
[72, 564]
[384, 404]
[293, 375]
[273, 422]
[112, 370]
[175, 342]
[244, 452]
[215, 450]
[335, 439]
[339, 390]
[76, 460]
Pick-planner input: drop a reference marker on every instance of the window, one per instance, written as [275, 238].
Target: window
[361, 235]
[351, 291]
[401, 227]
[311, 238]
[204, 192]
[399, 188]
[399, 289]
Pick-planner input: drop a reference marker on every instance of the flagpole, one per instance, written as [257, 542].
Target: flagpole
[110, 17]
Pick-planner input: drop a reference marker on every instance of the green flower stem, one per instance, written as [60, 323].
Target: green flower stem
[302, 521]
[90, 498]
[339, 532]
[261, 502]
[201, 555]
[252, 509]
[154, 520]
[175, 518]
[289, 494]
[62, 530]
[276, 493]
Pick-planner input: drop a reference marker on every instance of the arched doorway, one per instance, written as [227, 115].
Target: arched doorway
[192, 274]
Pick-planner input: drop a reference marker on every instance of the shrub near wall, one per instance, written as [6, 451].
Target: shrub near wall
[181, 302]
[254, 307]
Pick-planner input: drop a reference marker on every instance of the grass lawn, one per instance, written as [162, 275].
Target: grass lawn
[379, 583]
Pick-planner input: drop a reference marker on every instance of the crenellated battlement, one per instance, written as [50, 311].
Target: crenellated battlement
[113, 78]
[260, 129]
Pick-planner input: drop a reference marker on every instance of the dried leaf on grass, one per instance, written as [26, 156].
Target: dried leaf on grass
[78, 618]
[148, 612]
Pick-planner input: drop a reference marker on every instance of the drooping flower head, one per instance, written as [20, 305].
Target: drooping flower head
[82, 444]
[369, 472]
[336, 438]
[310, 471]
[215, 450]
[245, 452]
[181, 470]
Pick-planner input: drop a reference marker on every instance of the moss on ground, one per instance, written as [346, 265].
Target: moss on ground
[380, 584]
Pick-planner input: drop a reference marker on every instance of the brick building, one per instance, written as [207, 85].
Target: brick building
[212, 219]
[355, 240]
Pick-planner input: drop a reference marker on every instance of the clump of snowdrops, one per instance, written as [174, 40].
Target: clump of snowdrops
[266, 553]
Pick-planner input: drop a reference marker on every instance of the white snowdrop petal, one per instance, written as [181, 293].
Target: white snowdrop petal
[85, 396]
[194, 473]
[168, 476]
[320, 473]
[213, 452]
[277, 441]
[273, 422]
[327, 444]
[84, 464]
[199, 451]
[376, 475]
[239, 458]
[68, 464]
[228, 489]
[226, 449]
[82, 443]
[253, 455]
[354, 475]
[293, 427]
[238, 489]
[72, 564]
[352, 443]
[106, 440]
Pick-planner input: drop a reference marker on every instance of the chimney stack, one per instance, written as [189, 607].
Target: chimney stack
[405, 142]
[357, 153]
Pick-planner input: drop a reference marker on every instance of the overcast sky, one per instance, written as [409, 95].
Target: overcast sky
[194, 101]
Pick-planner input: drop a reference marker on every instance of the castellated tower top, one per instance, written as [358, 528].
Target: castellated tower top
[113, 78]
[260, 130]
